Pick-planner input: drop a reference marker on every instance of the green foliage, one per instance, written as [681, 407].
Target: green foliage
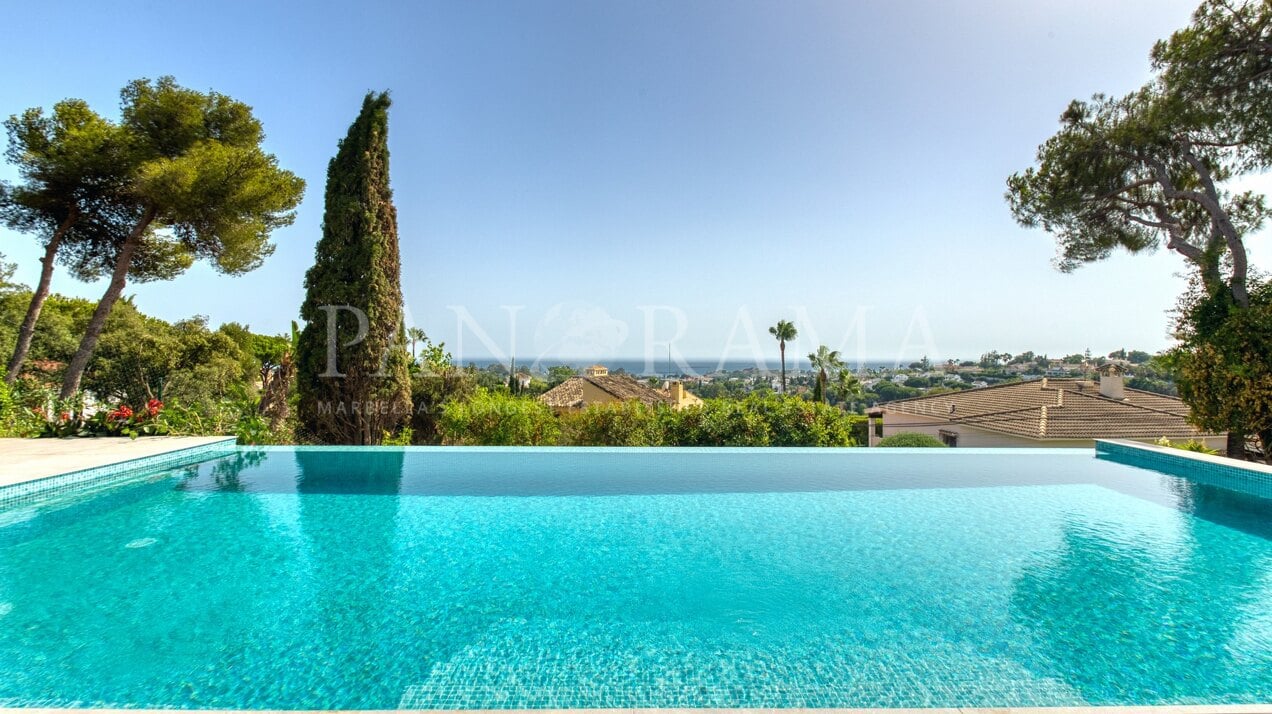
[67, 420]
[205, 377]
[718, 423]
[181, 176]
[758, 420]
[489, 418]
[559, 374]
[886, 390]
[1159, 165]
[252, 429]
[497, 418]
[1190, 445]
[826, 362]
[628, 424]
[911, 440]
[72, 163]
[846, 387]
[61, 323]
[795, 422]
[10, 412]
[356, 263]
[859, 427]
[1222, 366]
[1136, 172]
[784, 331]
[404, 437]
[141, 358]
[7, 270]
[430, 392]
[24, 407]
[1220, 66]
[221, 417]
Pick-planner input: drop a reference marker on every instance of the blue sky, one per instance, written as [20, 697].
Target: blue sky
[735, 162]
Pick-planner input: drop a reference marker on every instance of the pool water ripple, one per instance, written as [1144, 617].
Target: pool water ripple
[303, 579]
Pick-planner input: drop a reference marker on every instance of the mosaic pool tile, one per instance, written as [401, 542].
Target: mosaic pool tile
[1254, 479]
[29, 491]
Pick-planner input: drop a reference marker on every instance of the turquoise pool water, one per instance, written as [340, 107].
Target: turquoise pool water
[328, 578]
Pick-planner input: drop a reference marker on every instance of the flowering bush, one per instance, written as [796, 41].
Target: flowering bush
[123, 420]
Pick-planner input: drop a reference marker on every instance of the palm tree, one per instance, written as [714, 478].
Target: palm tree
[415, 334]
[825, 361]
[784, 331]
[847, 387]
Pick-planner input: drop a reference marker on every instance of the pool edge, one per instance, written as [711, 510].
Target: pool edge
[23, 491]
[1136, 709]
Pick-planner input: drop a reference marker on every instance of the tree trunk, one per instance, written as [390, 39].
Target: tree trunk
[1222, 222]
[27, 332]
[782, 347]
[1236, 448]
[118, 278]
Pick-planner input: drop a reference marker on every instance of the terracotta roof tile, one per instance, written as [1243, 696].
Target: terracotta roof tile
[569, 393]
[1081, 413]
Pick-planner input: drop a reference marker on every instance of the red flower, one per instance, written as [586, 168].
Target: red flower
[123, 412]
[153, 406]
[66, 416]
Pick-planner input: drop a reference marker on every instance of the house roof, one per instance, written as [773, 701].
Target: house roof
[566, 394]
[570, 392]
[1056, 409]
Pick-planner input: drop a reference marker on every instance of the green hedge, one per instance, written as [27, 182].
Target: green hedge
[497, 418]
[492, 418]
[626, 424]
[912, 440]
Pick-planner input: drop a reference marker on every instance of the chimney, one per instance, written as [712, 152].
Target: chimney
[1111, 382]
[677, 391]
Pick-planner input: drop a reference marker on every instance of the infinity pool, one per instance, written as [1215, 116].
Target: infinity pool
[303, 578]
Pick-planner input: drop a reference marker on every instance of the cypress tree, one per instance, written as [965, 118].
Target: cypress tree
[366, 392]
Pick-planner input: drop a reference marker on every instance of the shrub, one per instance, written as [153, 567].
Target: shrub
[911, 440]
[490, 418]
[403, 437]
[716, 423]
[253, 429]
[67, 420]
[493, 417]
[1190, 445]
[209, 418]
[796, 422]
[431, 390]
[626, 424]
[22, 409]
[759, 420]
[859, 426]
[8, 410]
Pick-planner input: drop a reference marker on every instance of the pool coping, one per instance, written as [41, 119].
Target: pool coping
[37, 487]
[1155, 453]
[1146, 709]
[1247, 477]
